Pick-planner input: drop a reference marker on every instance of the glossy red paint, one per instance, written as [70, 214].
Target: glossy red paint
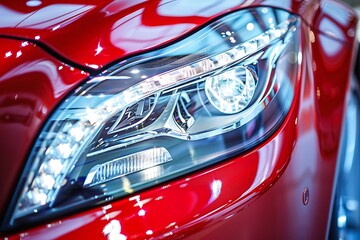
[116, 29]
[258, 194]
[96, 34]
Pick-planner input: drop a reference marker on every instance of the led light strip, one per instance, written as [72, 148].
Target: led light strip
[125, 165]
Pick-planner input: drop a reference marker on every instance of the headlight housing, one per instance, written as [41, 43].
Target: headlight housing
[159, 115]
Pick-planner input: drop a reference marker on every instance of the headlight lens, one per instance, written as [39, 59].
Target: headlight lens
[159, 115]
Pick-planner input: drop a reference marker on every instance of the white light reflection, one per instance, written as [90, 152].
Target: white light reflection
[141, 213]
[341, 221]
[250, 26]
[336, 47]
[18, 54]
[352, 205]
[299, 58]
[139, 203]
[135, 71]
[264, 10]
[112, 231]
[98, 49]
[33, 3]
[23, 235]
[215, 187]
[8, 54]
[171, 225]
[56, 27]
[111, 215]
[93, 66]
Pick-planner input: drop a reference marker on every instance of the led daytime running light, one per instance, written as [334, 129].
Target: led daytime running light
[126, 165]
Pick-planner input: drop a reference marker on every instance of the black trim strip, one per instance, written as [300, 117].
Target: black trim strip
[55, 54]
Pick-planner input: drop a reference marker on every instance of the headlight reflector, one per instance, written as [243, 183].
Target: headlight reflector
[231, 91]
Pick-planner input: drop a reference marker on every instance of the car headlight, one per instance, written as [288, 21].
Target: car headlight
[153, 117]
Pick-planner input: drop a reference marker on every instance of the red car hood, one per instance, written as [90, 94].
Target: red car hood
[96, 33]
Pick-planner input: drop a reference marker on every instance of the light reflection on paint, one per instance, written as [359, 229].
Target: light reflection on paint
[8, 54]
[98, 49]
[141, 213]
[112, 231]
[215, 187]
[33, 3]
[56, 27]
[18, 54]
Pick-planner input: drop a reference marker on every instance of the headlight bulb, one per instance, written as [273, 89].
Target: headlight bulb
[231, 92]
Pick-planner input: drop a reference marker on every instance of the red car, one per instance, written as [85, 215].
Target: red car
[140, 119]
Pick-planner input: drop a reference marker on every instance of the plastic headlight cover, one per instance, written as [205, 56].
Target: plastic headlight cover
[159, 115]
